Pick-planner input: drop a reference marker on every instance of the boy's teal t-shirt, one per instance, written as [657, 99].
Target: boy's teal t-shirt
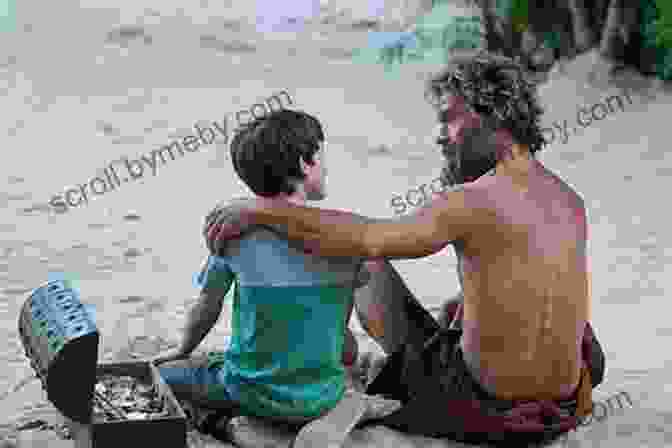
[288, 323]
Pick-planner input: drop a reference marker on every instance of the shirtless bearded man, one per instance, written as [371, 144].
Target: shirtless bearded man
[519, 346]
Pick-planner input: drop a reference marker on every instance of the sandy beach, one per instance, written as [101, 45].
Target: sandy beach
[87, 83]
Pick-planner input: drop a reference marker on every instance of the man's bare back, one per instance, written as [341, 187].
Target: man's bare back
[525, 281]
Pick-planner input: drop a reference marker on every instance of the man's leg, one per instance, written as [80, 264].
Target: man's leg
[350, 350]
[389, 311]
[451, 312]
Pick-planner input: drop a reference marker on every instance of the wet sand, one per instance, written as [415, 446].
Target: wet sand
[88, 83]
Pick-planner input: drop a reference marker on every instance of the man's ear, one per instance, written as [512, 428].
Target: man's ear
[482, 154]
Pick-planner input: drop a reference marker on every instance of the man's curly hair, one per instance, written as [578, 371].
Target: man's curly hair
[497, 88]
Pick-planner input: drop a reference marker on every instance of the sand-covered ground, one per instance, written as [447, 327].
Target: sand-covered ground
[87, 83]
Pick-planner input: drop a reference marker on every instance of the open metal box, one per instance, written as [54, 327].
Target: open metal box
[167, 432]
[61, 340]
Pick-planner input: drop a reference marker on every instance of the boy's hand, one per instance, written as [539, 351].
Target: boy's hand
[172, 354]
[167, 355]
[227, 221]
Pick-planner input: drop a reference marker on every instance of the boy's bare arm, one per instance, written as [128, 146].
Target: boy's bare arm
[201, 318]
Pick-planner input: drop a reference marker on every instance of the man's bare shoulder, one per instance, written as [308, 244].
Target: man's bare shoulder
[456, 212]
[469, 197]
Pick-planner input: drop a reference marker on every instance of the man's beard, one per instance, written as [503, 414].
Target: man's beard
[471, 159]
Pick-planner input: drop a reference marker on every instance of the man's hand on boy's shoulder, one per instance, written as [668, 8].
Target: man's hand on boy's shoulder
[231, 219]
[226, 220]
[225, 207]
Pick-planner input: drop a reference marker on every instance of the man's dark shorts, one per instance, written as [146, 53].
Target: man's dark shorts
[442, 399]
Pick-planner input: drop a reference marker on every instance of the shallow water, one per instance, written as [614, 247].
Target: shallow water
[87, 84]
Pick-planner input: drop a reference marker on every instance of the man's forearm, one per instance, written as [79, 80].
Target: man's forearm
[335, 233]
[202, 317]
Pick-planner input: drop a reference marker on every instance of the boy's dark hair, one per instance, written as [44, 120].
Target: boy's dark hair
[266, 152]
[497, 88]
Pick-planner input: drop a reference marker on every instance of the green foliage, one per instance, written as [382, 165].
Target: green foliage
[656, 29]
[7, 15]
[435, 36]
[520, 14]
[664, 23]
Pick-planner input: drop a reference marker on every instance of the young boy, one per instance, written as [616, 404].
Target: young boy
[291, 310]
